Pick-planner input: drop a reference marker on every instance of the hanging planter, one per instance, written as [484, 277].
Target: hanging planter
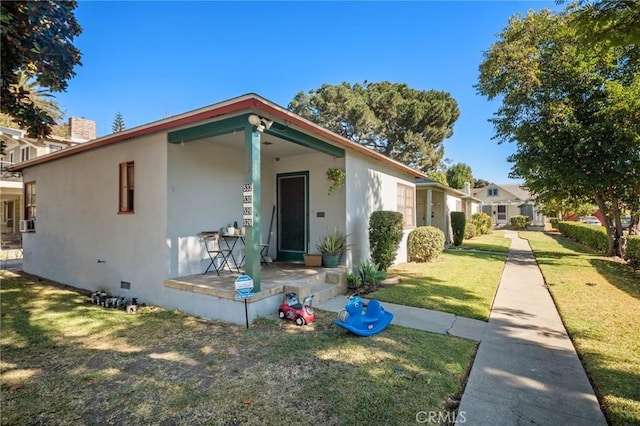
[336, 178]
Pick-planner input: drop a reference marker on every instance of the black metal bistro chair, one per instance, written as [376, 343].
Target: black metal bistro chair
[216, 252]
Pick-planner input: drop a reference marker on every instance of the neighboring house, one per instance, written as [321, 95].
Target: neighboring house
[501, 202]
[130, 207]
[435, 202]
[19, 148]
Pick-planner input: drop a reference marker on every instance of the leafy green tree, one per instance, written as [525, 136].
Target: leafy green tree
[438, 176]
[574, 113]
[118, 123]
[480, 183]
[36, 39]
[405, 124]
[613, 21]
[458, 174]
[39, 97]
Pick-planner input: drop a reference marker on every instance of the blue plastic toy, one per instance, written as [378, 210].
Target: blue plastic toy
[364, 320]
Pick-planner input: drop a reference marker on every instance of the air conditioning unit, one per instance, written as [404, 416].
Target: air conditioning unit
[27, 225]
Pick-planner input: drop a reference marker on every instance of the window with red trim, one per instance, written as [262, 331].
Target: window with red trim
[30, 200]
[126, 187]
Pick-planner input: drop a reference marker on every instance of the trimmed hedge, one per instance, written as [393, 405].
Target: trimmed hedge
[385, 234]
[520, 222]
[554, 223]
[458, 223]
[425, 243]
[633, 250]
[592, 236]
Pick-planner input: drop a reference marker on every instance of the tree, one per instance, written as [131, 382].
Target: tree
[574, 113]
[405, 124]
[438, 176]
[36, 39]
[612, 21]
[118, 123]
[481, 183]
[458, 174]
[39, 97]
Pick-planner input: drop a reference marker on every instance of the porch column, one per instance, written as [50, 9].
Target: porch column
[429, 206]
[253, 233]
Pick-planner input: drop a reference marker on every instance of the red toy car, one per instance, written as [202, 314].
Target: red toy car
[293, 310]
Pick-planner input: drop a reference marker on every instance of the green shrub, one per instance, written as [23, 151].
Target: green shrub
[469, 231]
[458, 223]
[482, 222]
[554, 223]
[369, 273]
[520, 222]
[633, 250]
[385, 234]
[589, 235]
[425, 243]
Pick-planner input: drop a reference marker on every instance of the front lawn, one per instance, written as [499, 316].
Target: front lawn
[599, 302]
[462, 282]
[495, 241]
[65, 361]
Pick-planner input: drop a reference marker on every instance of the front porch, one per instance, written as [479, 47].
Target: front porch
[212, 296]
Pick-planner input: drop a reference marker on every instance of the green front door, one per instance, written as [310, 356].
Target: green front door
[293, 215]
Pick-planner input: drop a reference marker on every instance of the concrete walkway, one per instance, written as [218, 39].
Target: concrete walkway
[526, 370]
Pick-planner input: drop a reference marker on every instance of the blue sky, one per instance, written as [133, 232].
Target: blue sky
[151, 60]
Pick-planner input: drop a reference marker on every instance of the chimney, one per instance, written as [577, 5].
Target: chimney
[81, 129]
[467, 188]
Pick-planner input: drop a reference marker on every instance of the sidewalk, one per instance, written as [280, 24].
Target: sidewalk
[11, 259]
[526, 370]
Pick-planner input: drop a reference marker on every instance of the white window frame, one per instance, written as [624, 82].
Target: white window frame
[492, 192]
[24, 153]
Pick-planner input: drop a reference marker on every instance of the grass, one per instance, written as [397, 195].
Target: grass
[65, 361]
[599, 302]
[494, 241]
[462, 282]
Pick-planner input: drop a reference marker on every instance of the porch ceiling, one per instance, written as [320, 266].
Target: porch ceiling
[278, 141]
[272, 146]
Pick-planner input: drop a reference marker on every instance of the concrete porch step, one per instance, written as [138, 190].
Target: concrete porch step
[323, 286]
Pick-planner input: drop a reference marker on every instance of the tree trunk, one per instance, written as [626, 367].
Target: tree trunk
[634, 226]
[613, 227]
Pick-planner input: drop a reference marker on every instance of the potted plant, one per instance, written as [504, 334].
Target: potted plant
[336, 177]
[331, 246]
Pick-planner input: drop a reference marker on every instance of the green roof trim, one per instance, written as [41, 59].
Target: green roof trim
[239, 123]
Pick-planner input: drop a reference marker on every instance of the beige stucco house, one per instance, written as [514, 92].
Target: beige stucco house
[501, 202]
[435, 202]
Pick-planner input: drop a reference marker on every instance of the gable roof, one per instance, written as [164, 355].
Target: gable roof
[519, 192]
[426, 182]
[249, 103]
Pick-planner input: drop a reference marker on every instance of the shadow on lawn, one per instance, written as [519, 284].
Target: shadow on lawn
[428, 293]
[80, 363]
[622, 385]
[620, 276]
